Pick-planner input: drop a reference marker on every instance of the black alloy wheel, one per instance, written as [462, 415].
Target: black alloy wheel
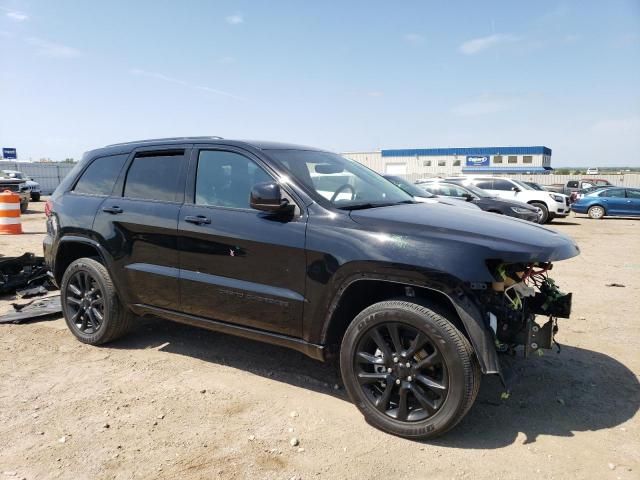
[90, 303]
[401, 372]
[408, 368]
[85, 301]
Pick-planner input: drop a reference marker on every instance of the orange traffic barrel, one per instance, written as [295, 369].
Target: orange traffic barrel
[10, 213]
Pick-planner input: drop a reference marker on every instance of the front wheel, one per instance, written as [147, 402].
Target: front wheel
[543, 212]
[90, 304]
[408, 369]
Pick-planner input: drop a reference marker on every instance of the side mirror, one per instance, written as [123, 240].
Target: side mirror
[468, 197]
[516, 189]
[268, 198]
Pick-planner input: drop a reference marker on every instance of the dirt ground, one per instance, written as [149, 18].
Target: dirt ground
[172, 401]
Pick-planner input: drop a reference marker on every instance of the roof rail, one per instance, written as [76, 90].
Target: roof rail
[154, 140]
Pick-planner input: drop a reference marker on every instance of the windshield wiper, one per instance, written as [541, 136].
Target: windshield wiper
[363, 206]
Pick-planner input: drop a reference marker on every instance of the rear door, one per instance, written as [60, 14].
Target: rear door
[237, 264]
[138, 224]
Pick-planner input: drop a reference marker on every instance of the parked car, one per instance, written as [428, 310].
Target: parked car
[16, 186]
[610, 202]
[33, 186]
[581, 193]
[235, 237]
[551, 205]
[484, 200]
[426, 197]
[593, 171]
[572, 187]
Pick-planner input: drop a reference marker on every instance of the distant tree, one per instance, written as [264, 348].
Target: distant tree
[69, 160]
[562, 171]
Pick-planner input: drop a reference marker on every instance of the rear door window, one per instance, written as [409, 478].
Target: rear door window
[156, 176]
[613, 193]
[100, 177]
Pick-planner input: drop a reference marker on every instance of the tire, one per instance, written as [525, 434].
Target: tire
[449, 382]
[596, 212]
[87, 275]
[543, 215]
[35, 197]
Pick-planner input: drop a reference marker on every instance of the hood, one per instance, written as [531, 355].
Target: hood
[454, 202]
[507, 203]
[470, 233]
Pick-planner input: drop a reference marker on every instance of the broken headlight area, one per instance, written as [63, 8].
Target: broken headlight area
[519, 293]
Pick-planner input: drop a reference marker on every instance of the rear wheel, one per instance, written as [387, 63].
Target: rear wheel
[408, 369]
[90, 303]
[35, 197]
[543, 212]
[596, 212]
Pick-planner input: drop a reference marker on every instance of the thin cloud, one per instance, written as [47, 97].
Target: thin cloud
[176, 81]
[413, 38]
[477, 45]
[235, 19]
[15, 15]
[618, 127]
[53, 50]
[484, 105]
[374, 93]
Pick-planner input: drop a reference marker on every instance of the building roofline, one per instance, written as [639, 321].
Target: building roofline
[410, 152]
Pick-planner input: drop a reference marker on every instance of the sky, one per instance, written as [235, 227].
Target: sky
[344, 76]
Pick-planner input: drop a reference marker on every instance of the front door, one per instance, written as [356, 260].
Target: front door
[632, 205]
[237, 264]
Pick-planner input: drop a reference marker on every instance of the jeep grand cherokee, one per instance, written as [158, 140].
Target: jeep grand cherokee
[300, 247]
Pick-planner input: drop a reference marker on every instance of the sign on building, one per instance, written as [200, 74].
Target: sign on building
[9, 153]
[477, 161]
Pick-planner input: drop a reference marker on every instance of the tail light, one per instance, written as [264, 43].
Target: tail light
[48, 207]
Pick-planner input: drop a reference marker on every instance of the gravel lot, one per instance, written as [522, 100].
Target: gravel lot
[172, 401]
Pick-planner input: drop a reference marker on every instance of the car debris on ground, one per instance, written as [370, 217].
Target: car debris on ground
[27, 276]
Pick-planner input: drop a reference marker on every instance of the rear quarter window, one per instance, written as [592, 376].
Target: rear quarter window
[100, 176]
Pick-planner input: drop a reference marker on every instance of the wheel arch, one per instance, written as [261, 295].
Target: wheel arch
[359, 293]
[71, 249]
[601, 205]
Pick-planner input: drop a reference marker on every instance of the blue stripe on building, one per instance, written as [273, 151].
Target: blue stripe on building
[412, 152]
[507, 169]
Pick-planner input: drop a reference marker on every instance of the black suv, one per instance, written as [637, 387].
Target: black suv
[303, 248]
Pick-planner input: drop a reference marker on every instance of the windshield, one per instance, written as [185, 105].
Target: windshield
[523, 185]
[408, 187]
[338, 182]
[477, 191]
[535, 186]
[10, 174]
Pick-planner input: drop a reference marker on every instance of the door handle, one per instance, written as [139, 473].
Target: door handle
[197, 219]
[114, 210]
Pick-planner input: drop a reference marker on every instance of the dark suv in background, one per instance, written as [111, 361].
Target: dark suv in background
[303, 248]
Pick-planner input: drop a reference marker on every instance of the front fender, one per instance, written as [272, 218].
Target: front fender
[446, 286]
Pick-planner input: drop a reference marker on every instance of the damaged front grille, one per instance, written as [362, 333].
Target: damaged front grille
[519, 293]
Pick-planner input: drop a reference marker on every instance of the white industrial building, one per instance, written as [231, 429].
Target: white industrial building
[456, 161]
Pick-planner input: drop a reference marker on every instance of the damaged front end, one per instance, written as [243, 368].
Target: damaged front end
[519, 293]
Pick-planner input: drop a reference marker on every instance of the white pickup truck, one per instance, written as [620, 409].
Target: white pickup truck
[550, 205]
